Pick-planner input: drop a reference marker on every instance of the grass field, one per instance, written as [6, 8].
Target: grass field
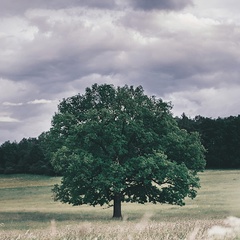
[27, 211]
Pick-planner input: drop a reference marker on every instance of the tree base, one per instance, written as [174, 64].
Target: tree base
[117, 211]
[117, 218]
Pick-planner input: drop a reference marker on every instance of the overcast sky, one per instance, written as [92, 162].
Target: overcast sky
[183, 51]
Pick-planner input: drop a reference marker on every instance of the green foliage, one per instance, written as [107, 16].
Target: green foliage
[27, 156]
[8, 160]
[221, 138]
[119, 141]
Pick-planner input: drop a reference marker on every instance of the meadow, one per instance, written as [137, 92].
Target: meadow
[27, 211]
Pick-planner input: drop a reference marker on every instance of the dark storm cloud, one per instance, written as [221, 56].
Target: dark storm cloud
[55, 49]
[109, 4]
[160, 4]
[71, 51]
[11, 7]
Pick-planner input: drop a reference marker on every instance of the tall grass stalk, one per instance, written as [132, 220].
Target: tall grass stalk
[146, 228]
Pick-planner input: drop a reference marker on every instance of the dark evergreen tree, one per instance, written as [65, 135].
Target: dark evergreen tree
[10, 157]
[27, 156]
[220, 137]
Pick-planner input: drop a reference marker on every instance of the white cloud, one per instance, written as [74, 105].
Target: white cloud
[40, 101]
[11, 104]
[208, 102]
[17, 28]
[10, 89]
[8, 119]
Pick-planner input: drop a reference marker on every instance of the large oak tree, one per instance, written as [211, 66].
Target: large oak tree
[115, 145]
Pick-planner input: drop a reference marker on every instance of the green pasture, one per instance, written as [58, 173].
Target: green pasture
[26, 203]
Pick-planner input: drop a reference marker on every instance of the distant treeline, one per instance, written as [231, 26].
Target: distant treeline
[220, 137]
[28, 156]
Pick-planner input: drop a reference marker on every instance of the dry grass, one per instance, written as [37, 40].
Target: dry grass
[228, 229]
[27, 211]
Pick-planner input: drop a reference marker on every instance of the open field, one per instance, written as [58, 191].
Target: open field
[27, 211]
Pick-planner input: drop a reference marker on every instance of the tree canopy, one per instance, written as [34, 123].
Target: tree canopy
[118, 144]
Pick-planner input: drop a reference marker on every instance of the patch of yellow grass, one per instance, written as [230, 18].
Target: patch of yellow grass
[228, 229]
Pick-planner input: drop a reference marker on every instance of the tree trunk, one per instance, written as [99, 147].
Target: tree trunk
[117, 210]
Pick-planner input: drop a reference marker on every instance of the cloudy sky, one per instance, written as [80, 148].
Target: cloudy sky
[183, 51]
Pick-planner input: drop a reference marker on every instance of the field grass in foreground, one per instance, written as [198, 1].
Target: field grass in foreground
[27, 211]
